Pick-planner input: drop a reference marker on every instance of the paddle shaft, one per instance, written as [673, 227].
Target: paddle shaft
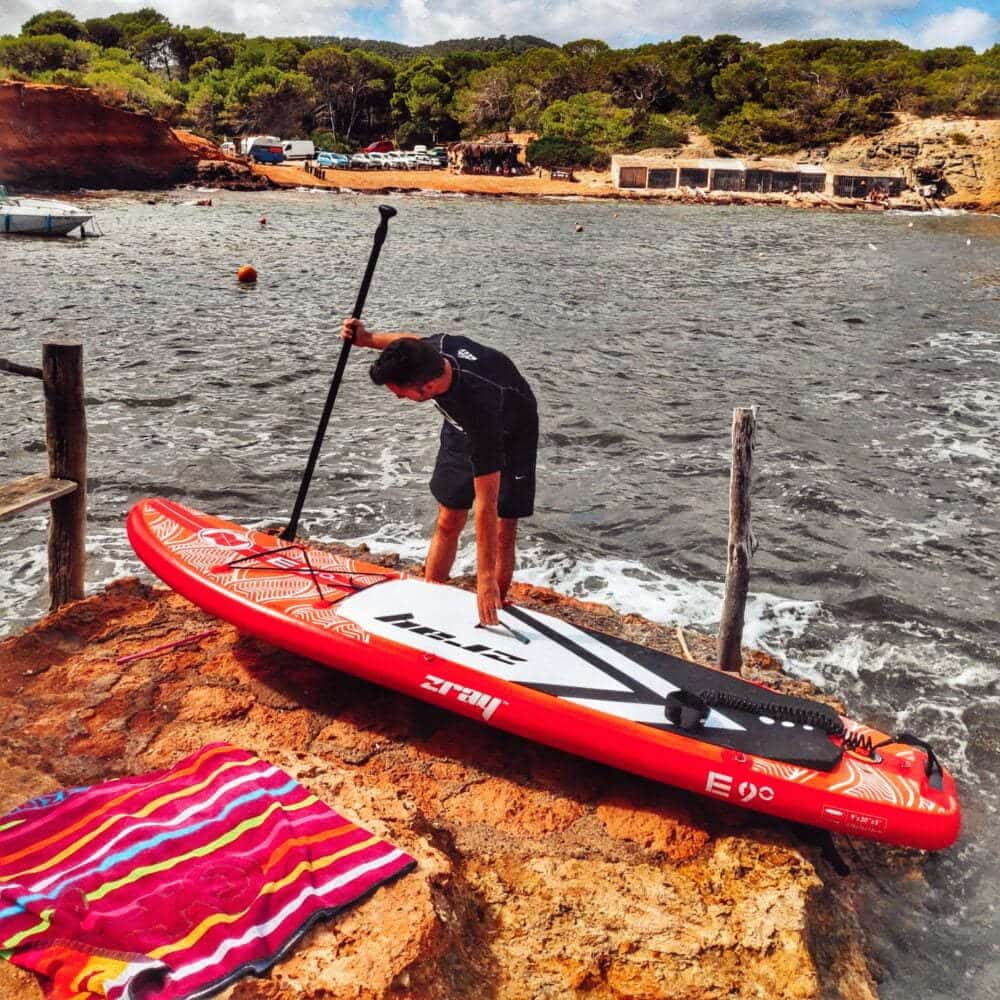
[387, 212]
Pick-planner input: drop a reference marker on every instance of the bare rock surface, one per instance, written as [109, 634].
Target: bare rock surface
[59, 138]
[539, 874]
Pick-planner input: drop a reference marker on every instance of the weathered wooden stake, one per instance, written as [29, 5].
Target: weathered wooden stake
[741, 542]
[66, 439]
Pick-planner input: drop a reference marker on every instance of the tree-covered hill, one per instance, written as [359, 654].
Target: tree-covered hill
[585, 98]
[399, 52]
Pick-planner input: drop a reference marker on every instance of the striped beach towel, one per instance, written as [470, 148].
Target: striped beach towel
[174, 884]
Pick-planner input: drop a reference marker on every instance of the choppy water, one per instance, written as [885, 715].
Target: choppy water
[870, 344]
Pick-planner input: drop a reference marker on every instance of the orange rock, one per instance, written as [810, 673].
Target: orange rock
[59, 138]
[539, 874]
[203, 149]
[511, 807]
[670, 831]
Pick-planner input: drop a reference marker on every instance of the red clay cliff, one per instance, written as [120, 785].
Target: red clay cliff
[59, 138]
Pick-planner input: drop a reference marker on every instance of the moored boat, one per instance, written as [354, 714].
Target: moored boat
[40, 218]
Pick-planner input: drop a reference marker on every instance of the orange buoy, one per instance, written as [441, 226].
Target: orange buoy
[246, 275]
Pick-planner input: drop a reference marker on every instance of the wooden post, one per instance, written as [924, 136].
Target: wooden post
[66, 439]
[741, 542]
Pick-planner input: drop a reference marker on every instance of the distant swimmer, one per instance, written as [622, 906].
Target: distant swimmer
[488, 443]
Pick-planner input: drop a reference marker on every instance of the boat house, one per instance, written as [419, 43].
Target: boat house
[772, 176]
[858, 184]
[656, 172]
[784, 177]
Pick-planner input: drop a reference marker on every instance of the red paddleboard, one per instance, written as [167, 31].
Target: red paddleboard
[581, 691]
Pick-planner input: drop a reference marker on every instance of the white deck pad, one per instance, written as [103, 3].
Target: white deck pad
[441, 620]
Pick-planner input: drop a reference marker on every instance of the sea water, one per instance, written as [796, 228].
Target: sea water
[869, 343]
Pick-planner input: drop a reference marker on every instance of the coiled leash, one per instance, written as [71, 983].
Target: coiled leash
[688, 710]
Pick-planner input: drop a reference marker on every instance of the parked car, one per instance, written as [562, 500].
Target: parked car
[360, 161]
[338, 160]
[379, 160]
[398, 160]
[382, 146]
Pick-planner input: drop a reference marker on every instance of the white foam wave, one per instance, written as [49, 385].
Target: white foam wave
[772, 622]
[926, 212]
[407, 538]
[930, 687]
[964, 345]
[628, 587]
[24, 572]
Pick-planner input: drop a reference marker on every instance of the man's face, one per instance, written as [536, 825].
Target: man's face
[418, 393]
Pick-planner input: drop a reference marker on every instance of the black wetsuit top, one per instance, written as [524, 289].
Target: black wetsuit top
[489, 404]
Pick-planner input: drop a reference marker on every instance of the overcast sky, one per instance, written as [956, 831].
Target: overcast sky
[621, 23]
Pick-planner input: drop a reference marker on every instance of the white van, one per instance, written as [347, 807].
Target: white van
[245, 145]
[299, 149]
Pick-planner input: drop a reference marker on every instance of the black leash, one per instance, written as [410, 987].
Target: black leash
[689, 709]
[387, 212]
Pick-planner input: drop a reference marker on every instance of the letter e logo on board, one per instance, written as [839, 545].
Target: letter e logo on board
[720, 785]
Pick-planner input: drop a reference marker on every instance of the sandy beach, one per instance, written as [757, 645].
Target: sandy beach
[589, 184]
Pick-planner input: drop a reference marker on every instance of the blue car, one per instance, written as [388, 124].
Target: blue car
[267, 153]
[338, 160]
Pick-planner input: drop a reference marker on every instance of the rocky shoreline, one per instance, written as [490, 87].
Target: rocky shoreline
[55, 138]
[540, 874]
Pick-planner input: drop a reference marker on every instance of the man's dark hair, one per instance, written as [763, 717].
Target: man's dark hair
[407, 362]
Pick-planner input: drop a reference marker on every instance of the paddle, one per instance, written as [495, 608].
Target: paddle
[387, 212]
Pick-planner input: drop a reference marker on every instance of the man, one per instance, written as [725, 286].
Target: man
[488, 443]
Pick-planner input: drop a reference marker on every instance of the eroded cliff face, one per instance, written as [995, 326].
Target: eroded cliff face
[218, 169]
[540, 875]
[959, 155]
[60, 138]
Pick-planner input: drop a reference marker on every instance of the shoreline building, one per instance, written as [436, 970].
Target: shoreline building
[660, 173]
[486, 158]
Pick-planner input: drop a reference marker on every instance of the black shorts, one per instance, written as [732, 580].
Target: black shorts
[451, 481]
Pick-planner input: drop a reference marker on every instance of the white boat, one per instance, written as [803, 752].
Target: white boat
[44, 218]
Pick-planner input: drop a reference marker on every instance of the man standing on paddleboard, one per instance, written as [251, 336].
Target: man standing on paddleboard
[488, 443]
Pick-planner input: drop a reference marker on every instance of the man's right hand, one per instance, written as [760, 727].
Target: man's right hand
[488, 601]
[354, 330]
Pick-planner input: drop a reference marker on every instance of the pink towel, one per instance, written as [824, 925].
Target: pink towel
[174, 884]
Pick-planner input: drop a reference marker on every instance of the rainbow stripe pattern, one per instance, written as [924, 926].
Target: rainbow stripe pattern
[174, 884]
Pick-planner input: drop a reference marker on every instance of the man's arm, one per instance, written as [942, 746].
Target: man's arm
[364, 337]
[487, 592]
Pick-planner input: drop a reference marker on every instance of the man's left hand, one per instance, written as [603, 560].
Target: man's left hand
[488, 599]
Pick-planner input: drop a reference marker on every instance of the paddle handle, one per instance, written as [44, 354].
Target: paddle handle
[386, 212]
